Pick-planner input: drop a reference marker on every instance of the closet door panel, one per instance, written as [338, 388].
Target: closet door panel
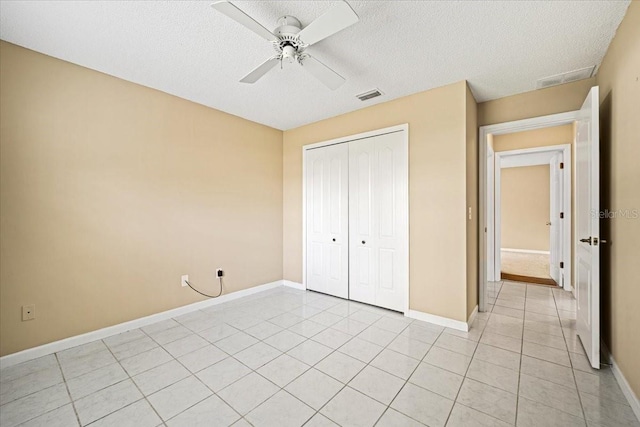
[391, 231]
[362, 260]
[315, 237]
[377, 221]
[327, 220]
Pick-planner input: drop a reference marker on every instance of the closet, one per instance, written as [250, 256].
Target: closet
[356, 225]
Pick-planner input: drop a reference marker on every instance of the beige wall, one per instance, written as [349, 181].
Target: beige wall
[472, 200]
[619, 81]
[552, 100]
[555, 135]
[525, 199]
[437, 191]
[110, 191]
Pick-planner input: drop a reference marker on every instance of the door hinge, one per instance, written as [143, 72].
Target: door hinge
[561, 215]
[561, 264]
[561, 165]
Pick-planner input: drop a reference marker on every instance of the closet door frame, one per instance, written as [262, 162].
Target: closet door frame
[404, 128]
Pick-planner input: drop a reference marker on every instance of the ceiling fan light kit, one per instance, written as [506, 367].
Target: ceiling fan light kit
[290, 40]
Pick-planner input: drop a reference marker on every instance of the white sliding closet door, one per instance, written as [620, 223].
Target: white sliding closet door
[378, 215]
[327, 186]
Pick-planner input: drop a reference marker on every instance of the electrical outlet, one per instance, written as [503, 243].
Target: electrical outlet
[28, 312]
[184, 279]
[219, 272]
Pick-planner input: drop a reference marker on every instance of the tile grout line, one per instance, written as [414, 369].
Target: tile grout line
[144, 397]
[573, 373]
[228, 356]
[524, 315]
[59, 366]
[455, 400]
[466, 372]
[387, 406]
[64, 379]
[553, 296]
[409, 377]
[232, 356]
[316, 412]
[345, 385]
[254, 370]
[443, 331]
[533, 342]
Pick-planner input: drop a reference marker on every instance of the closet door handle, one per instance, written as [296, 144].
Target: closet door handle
[363, 242]
[333, 239]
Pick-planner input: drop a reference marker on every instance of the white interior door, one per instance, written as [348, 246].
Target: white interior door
[587, 227]
[555, 222]
[327, 187]
[378, 218]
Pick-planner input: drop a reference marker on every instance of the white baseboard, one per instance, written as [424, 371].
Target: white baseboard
[56, 346]
[525, 251]
[294, 285]
[622, 382]
[439, 320]
[472, 318]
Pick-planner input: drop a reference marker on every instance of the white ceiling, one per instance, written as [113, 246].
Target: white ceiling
[187, 49]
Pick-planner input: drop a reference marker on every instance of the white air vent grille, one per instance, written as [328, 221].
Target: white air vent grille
[569, 76]
[368, 95]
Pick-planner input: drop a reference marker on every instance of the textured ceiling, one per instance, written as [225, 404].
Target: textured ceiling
[187, 49]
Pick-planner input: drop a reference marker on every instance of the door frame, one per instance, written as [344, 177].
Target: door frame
[483, 159]
[342, 140]
[532, 157]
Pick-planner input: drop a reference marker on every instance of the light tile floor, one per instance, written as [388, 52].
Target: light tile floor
[290, 358]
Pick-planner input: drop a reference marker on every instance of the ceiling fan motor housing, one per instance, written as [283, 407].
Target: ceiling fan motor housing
[288, 45]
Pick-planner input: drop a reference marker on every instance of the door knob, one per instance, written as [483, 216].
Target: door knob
[586, 240]
[333, 239]
[363, 242]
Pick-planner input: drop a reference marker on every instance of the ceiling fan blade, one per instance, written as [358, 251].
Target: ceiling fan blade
[260, 70]
[326, 75]
[239, 16]
[335, 19]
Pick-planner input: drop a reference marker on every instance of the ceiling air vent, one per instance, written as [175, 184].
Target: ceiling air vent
[368, 95]
[569, 76]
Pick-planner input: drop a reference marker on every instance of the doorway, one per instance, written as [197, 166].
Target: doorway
[486, 214]
[586, 237]
[533, 216]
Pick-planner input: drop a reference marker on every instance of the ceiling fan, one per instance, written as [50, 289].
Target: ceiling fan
[290, 40]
